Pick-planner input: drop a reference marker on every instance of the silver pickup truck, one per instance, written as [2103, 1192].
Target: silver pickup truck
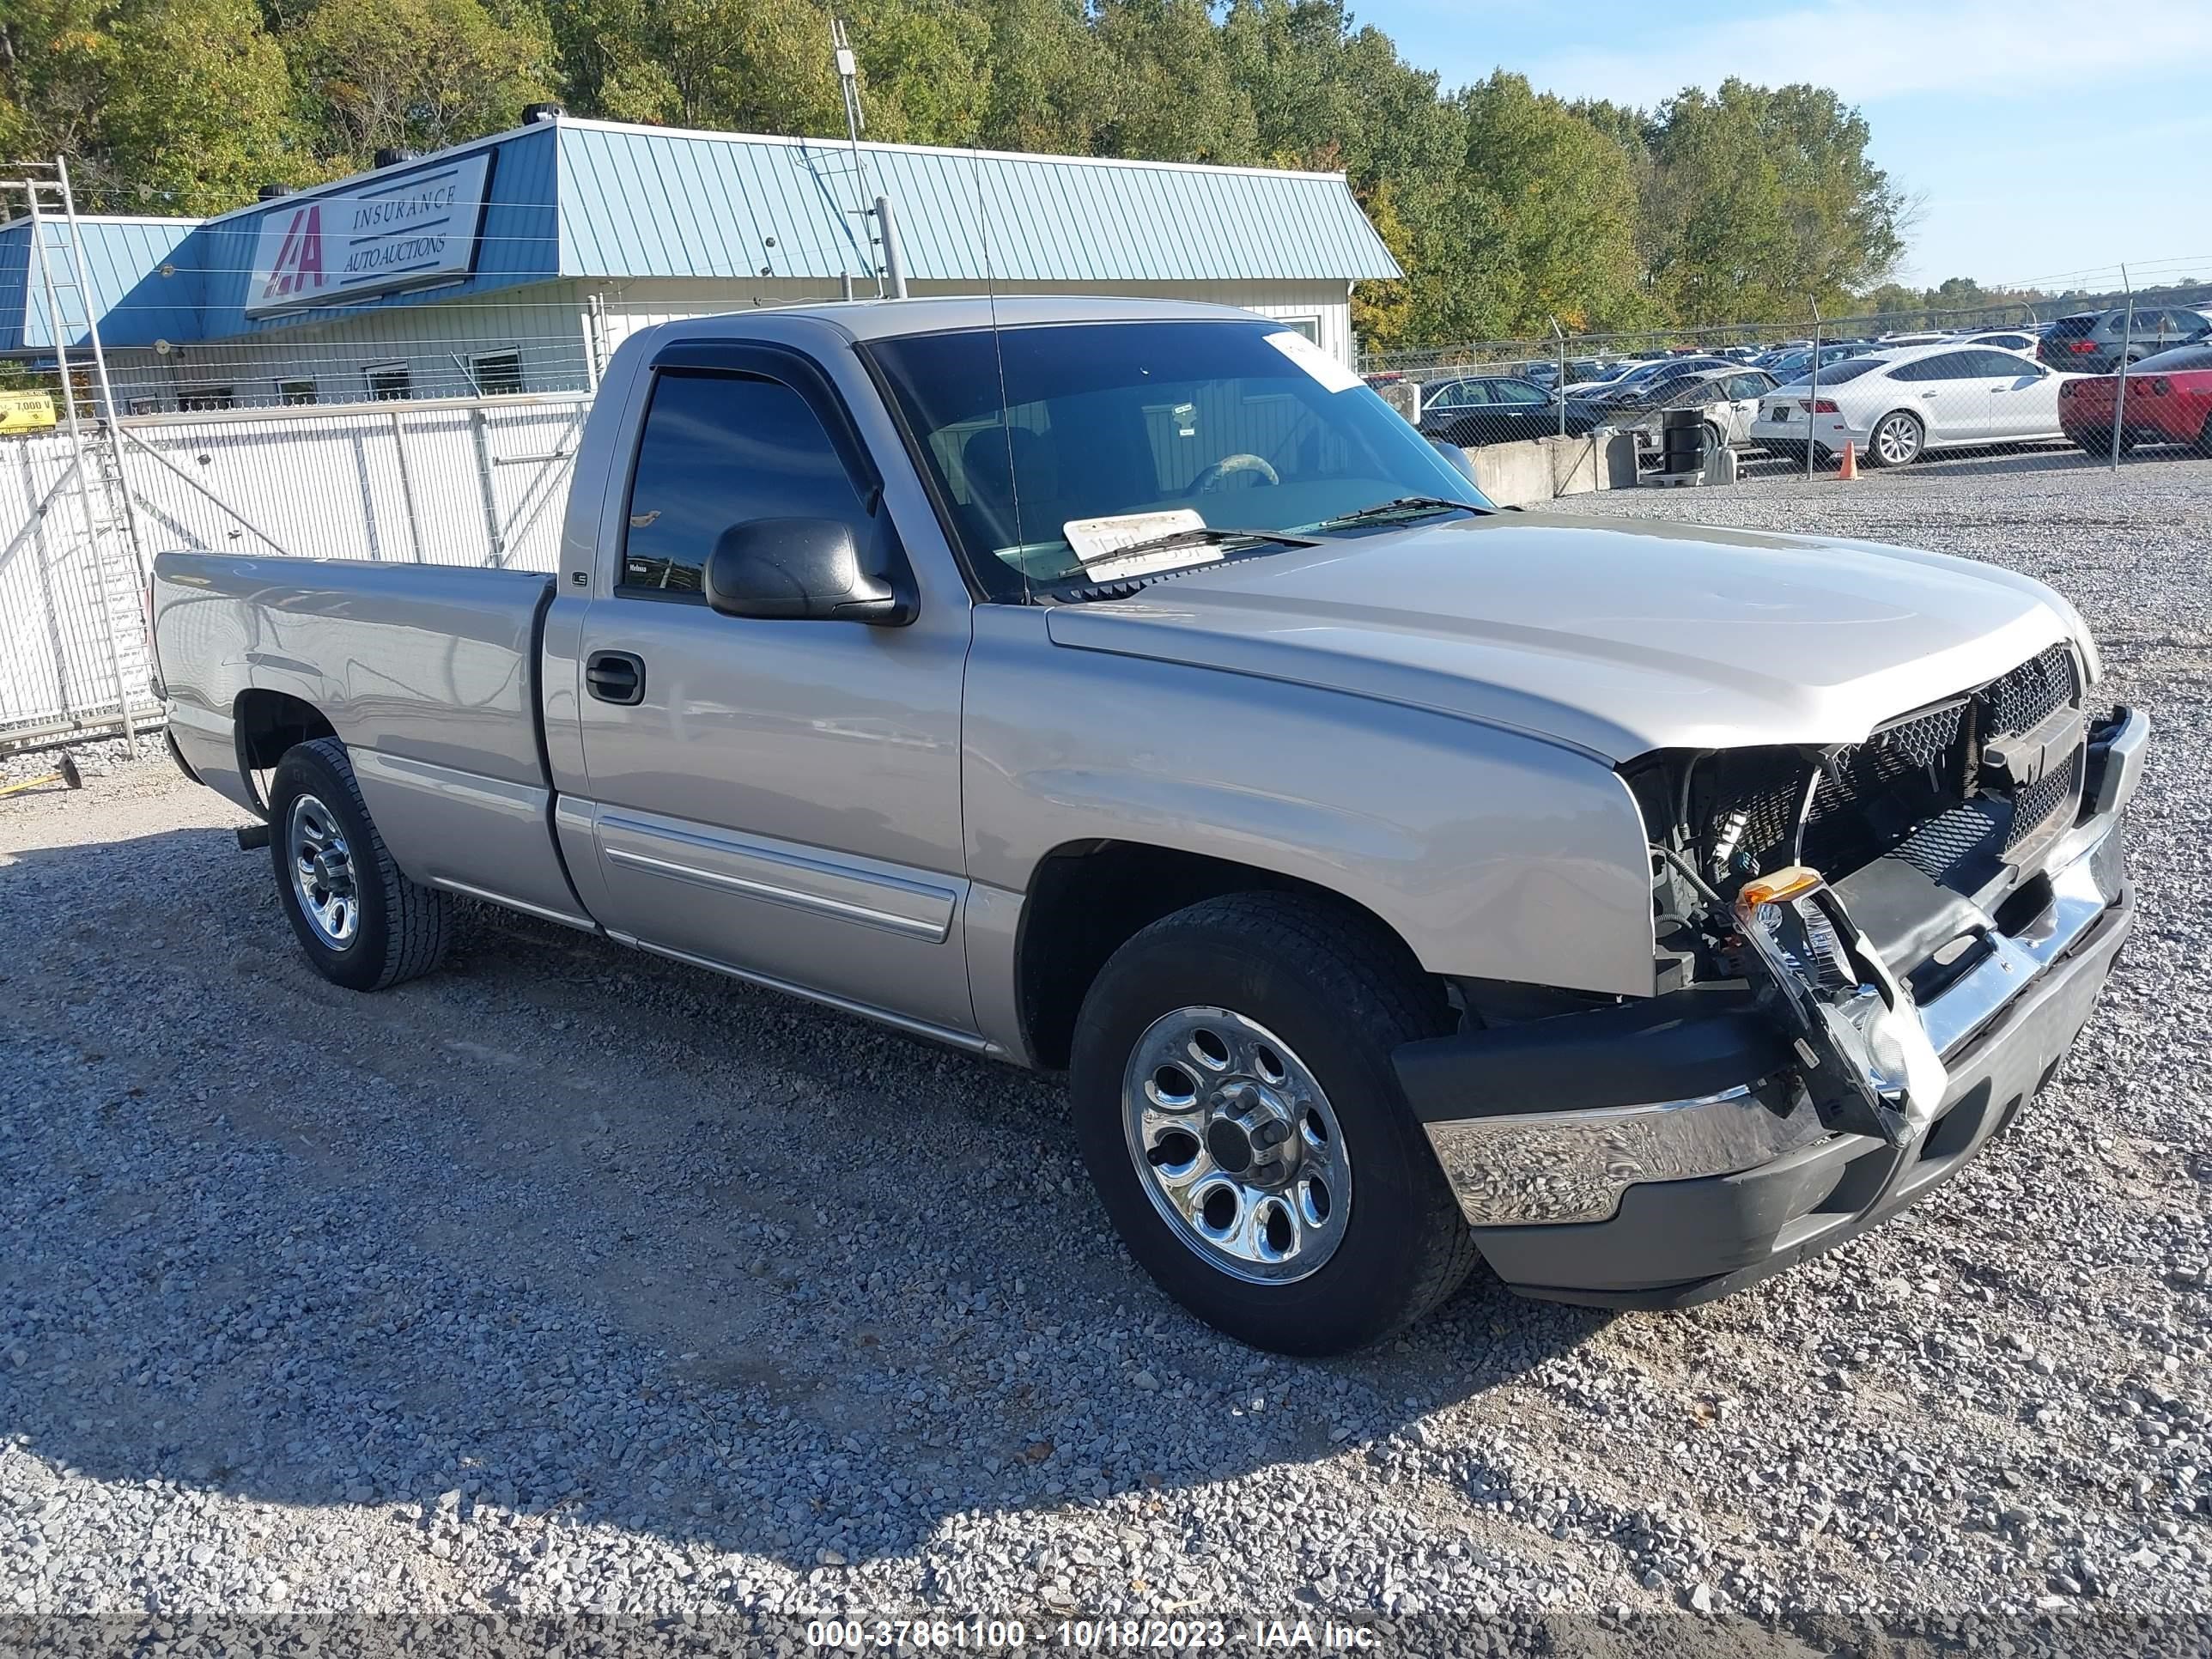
[1125, 689]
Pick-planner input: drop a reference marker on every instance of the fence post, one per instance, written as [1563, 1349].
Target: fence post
[2127, 344]
[1560, 389]
[490, 495]
[595, 341]
[1812, 403]
[407, 487]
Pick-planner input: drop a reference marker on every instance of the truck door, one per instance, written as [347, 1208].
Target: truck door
[779, 799]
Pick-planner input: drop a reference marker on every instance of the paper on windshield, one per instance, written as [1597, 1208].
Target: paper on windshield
[1311, 358]
[1097, 542]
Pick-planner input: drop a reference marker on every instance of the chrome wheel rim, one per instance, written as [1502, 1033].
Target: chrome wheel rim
[322, 872]
[1235, 1145]
[1899, 440]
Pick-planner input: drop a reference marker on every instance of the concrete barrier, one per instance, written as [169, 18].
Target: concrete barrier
[1540, 470]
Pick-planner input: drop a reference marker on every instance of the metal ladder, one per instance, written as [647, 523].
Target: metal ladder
[103, 492]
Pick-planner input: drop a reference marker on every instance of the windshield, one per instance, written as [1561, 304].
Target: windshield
[1225, 425]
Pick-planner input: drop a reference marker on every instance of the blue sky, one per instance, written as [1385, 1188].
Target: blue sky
[2047, 139]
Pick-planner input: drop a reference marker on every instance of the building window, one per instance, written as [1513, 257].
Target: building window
[389, 380]
[296, 391]
[1308, 326]
[205, 397]
[498, 373]
[145, 406]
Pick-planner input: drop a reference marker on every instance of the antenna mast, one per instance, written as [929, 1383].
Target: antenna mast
[848, 80]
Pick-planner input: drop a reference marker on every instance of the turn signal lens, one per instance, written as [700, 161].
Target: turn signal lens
[1773, 888]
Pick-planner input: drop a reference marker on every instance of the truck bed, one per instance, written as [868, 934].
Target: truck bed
[428, 675]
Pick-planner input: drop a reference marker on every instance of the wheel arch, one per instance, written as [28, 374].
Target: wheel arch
[1089, 897]
[265, 724]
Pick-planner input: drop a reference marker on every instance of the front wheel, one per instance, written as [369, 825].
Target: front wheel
[1235, 1102]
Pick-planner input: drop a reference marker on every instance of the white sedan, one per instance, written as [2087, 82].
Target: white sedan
[1897, 405]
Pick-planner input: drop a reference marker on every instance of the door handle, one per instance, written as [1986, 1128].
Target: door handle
[615, 676]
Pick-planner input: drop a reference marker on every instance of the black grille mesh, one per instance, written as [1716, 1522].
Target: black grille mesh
[1910, 787]
[2033, 807]
[2029, 692]
[1945, 844]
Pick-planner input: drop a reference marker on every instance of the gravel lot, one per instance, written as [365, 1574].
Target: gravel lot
[570, 1281]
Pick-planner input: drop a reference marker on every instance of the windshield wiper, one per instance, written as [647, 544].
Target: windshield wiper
[1402, 506]
[1083, 584]
[1205, 535]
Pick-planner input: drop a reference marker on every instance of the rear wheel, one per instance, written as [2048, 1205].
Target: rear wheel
[362, 923]
[1235, 1102]
[1898, 441]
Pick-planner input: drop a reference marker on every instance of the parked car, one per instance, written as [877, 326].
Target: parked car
[1793, 366]
[1730, 398]
[1643, 384]
[1123, 687]
[1494, 408]
[2090, 341]
[2169, 402]
[2005, 339]
[1913, 337]
[1896, 406]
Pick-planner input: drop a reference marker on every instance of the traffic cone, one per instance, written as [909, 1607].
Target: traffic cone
[1851, 467]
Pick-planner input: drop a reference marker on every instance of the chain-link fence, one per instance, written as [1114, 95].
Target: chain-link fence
[1719, 405]
[452, 444]
[449, 445]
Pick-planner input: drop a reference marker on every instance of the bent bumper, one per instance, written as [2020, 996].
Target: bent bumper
[1592, 1196]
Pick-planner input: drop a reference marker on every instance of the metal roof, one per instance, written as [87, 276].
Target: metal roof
[123, 259]
[658, 202]
[600, 199]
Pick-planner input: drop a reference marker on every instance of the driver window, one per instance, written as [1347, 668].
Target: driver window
[719, 450]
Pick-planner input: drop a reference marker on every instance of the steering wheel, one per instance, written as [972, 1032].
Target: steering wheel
[1211, 480]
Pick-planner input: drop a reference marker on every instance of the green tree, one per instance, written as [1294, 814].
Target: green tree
[1171, 98]
[1050, 77]
[1760, 199]
[1562, 198]
[166, 105]
[419, 74]
[925, 70]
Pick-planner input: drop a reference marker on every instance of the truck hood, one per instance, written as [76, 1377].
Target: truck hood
[1616, 637]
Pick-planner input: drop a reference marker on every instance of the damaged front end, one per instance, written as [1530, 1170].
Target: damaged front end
[1868, 1065]
[1838, 929]
[1846, 884]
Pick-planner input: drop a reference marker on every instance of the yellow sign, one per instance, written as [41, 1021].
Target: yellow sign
[26, 411]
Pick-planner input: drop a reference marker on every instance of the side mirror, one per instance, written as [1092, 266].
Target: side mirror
[810, 570]
[1457, 460]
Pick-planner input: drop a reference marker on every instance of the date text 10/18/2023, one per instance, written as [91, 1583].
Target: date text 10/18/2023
[1089, 1635]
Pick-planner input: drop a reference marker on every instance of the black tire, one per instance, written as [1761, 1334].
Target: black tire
[399, 929]
[1342, 993]
[2203, 445]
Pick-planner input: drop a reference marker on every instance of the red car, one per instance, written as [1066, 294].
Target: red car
[2169, 402]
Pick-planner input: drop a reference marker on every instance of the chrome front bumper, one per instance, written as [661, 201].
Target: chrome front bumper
[1516, 1167]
